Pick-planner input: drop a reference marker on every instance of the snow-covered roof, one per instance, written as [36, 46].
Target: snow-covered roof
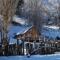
[24, 31]
[52, 27]
[19, 20]
[16, 30]
[12, 31]
[51, 31]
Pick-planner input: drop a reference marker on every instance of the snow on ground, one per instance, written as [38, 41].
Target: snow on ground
[33, 57]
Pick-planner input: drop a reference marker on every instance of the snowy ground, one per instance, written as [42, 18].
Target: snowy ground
[35, 57]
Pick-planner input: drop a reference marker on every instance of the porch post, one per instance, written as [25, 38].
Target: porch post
[23, 46]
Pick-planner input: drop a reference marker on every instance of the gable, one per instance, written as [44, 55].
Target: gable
[31, 33]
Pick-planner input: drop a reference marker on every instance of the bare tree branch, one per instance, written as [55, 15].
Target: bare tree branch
[7, 10]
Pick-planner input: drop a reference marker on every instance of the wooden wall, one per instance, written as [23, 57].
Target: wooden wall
[30, 34]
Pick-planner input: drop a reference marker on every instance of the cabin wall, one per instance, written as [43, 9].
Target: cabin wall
[30, 34]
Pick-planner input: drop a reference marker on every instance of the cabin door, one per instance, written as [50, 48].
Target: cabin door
[29, 48]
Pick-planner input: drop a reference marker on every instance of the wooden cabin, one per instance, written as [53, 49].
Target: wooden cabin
[34, 43]
[30, 34]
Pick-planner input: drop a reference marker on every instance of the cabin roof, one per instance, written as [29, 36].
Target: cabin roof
[20, 20]
[16, 30]
[51, 31]
[24, 31]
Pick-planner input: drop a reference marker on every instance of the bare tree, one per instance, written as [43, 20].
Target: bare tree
[54, 11]
[32, 9]
[7, 10]
[35, 10]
